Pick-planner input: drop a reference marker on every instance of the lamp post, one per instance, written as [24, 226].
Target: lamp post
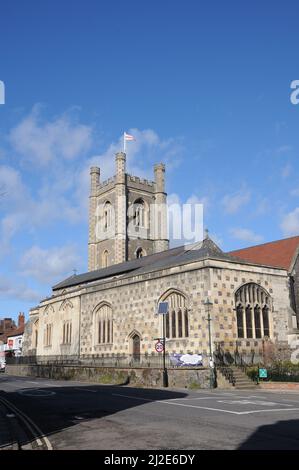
[163, 309]
[165, 374]
[209, 304]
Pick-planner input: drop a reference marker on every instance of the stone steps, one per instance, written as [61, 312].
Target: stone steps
[241, 380]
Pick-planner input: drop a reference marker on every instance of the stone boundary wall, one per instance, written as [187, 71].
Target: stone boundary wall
[279, 385]
[197, 378]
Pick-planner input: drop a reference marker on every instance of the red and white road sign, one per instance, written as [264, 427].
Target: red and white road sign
[159, 347]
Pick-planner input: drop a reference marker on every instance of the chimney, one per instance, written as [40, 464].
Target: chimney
[21, 319]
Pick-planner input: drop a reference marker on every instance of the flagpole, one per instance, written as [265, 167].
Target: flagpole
[124, 142]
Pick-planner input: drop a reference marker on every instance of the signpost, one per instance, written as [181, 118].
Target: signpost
[263, 373]
[159, 347]
[163, 310]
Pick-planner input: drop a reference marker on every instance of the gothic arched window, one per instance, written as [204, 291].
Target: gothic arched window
[103, 325]
[107, 216]
[105, 259]
[252, 309]
[139, 218]
[176, 320]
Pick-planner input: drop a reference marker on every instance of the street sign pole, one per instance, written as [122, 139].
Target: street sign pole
[165, 374]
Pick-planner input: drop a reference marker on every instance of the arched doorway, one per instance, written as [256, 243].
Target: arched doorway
[136, 347]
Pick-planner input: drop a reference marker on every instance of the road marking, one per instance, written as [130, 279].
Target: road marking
[85, 389]
[175, 404]
[249, 402]
[205, 407]
[34, 429]
[261, 411]
[207, 398]
[36, 392]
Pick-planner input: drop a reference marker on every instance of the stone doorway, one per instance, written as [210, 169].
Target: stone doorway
[136, 347]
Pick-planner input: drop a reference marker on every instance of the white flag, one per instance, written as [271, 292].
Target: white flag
[128, 137]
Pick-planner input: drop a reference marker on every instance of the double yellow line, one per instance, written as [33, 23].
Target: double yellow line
[39, 437]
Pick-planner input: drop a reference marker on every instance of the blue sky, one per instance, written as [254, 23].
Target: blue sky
[204, 86]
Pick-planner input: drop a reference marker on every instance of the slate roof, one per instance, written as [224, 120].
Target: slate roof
[16, 332]
[279, 253]
[165, 259]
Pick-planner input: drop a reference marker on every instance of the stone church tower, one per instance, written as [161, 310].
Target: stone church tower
[127, 216]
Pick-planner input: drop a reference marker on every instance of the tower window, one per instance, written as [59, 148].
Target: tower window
[105, 259]
[139, 213]
[107, 216]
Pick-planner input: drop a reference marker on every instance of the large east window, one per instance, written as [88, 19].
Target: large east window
[252, 311]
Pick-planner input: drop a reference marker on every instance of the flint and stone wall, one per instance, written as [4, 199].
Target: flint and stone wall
[149, 377]
[133, 300]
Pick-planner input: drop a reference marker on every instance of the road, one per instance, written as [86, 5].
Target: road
[47, 414]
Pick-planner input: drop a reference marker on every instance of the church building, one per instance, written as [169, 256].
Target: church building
[111, 310]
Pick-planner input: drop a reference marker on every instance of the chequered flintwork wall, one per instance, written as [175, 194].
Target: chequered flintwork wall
[133, 301]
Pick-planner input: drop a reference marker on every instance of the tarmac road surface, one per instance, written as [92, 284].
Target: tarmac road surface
[53, 414]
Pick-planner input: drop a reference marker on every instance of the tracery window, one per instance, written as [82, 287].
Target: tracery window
[103, 325]
[139, 213]
[177, 319]
[67, 332]
[252, 311]
[48, 335]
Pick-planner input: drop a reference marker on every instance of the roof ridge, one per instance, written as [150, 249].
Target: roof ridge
[262, 244]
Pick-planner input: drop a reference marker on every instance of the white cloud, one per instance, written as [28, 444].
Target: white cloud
[290, 223]
[41, 143]
[141, 154]
[50, 265]
[246, 235]
[262, 207]
[286, 171]
[283, 149]
[294, 192]
[18, 291]
[233, 202]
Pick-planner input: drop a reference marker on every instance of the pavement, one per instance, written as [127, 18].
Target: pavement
[76, 415]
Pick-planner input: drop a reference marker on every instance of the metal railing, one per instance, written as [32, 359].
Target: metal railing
[232, 356]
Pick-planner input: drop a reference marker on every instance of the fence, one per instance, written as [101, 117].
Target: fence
[117, 361]
[226, 358]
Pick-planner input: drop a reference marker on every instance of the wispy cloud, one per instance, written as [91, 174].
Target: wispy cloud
[286, 171]
[246, 235]
[16, 290]
[49, 265]
[283, 149]
[290, 223]
[42, 143]
[232, 203]
[294, 192]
